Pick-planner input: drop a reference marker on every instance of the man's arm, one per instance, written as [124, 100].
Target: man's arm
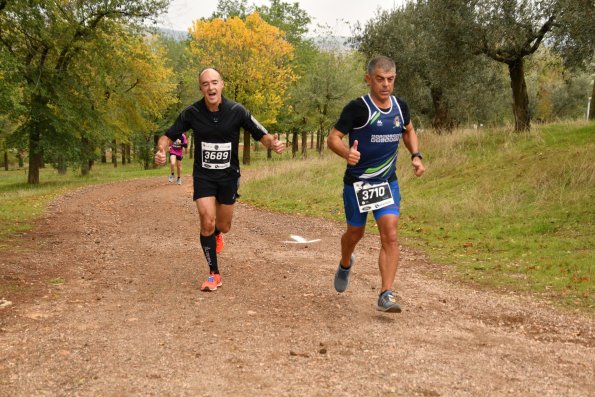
[272, 142]
[410, 141]
[163, 142]
[335, 143]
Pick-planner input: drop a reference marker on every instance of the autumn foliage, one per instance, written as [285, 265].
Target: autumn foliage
[253, 58]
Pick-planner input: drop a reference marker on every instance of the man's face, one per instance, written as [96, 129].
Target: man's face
[211, 86]
[382, 83]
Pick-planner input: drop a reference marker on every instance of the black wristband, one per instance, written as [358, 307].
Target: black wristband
[416, 154]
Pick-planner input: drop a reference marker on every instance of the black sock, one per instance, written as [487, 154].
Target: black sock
[209, 244]
[383, 292]
[217, 231]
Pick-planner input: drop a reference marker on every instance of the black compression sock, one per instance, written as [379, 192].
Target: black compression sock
[209, 244]
[217, 231]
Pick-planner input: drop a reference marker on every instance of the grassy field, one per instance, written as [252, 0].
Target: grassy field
[506, 210]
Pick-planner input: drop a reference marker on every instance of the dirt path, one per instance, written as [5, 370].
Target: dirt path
[129, 318]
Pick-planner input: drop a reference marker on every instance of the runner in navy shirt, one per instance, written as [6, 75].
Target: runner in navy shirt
[375, 124]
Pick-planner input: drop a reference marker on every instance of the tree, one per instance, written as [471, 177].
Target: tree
[232, 8]
[45, 39]
[142, 89]
[436, 68]
[254, 60]
[509, 31]
[290, 18]
[332, 80]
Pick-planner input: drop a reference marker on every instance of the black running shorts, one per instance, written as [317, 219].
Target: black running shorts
[224, 191]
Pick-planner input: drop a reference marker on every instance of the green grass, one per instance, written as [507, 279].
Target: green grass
[506, 210]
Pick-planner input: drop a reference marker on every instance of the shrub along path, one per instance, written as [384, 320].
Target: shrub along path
[102, 298]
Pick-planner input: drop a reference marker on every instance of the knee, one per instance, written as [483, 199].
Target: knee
[354, 236]
[389, 237]
[207, 227]
[225, 227]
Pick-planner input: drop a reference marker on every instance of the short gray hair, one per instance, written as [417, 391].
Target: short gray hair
[381, 62]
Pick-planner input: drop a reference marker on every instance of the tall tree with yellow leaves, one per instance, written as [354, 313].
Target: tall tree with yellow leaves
[254, 59]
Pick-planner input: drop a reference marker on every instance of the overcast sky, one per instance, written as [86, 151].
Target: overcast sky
[334, 13]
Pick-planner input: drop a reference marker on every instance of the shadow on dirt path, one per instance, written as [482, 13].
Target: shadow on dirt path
[105, 301]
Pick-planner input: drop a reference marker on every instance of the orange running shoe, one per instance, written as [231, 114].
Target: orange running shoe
[220, 243]
[213, 281]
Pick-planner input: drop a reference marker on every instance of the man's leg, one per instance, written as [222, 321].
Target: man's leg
[207, 209]
[179, 168]
[172, 160]
[224, 217]
[349, 240]
[389, 252]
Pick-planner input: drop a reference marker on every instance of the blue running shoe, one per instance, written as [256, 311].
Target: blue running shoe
[342, 275]
[387, 302]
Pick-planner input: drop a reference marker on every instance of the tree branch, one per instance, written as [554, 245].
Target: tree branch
[133, 85]
[529, 48]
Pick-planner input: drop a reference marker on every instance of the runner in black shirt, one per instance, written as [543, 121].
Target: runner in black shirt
[216, 123]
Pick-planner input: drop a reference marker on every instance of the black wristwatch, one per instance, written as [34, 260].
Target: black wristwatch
[416, 154]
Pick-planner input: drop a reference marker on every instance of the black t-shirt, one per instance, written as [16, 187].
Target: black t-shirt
[355, 114]
[216, 137]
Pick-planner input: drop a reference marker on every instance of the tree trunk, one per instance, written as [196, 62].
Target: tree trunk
[441, 121]
[87, 150]
[591, 115]
[294, 143]
[62, 166]
[312, 140]
[114, 153]
[5, 160]
[123, 150]
[304, 144]
[128, 152]
[35, 156]
[104, 156]
[246, 153]
[84, 167]
[520, 98]
[318, 135]
[20, 159]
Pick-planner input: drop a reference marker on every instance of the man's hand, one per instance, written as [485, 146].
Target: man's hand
[418, 166]
[160, 157]
[353, 155]
[276, 145]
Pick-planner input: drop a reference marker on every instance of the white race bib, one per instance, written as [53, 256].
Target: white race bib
[372, 196]
[216, 155]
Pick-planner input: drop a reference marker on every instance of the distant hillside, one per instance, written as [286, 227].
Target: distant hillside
[178, 35]
[333, 43]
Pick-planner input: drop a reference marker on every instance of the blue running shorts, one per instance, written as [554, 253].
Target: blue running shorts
[356, 218]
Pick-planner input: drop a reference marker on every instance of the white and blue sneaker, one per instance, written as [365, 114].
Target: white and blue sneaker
[342, 275]
[387, 302]
[170, 178]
